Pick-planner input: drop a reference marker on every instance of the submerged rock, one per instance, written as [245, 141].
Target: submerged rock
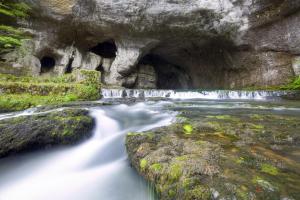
[45, 130]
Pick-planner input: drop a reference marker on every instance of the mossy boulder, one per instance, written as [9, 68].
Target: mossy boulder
[249, 156]
[45, 130]
[175, 165]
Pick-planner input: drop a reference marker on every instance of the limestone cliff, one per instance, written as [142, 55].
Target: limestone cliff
[188, 43]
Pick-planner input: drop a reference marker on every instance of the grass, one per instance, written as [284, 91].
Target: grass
[19, 93]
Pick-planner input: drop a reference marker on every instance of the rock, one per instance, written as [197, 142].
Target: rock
[219, 156]
[296, 66]
[45, 130]
[173, 164]
[199, 40]
[146, 77]
[92, 61]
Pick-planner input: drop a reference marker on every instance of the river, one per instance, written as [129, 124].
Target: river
[99, 168]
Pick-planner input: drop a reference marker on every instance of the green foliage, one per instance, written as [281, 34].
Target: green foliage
[14, 9]
[10, 35]
[19, 102]
[294, 85]
[24, 92]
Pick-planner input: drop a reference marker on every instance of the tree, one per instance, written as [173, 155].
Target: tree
[11, 35]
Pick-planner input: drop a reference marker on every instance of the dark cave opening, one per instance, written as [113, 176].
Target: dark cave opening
[107, 49]
[168, 75]
[47, 64]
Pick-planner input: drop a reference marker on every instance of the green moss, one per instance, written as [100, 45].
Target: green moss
[143, 164]
[133, 134]
[269, 169]
[156, 167]
[182, 158]
[257, 117]
[199, 192]
[256, 126]
[24, 92]
[23, 101]
[188, 129]
[175, 172]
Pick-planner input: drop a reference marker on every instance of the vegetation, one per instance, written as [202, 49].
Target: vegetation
[10, 35]
[294, 85]
[24, 92]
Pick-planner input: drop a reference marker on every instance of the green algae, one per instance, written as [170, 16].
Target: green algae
[143, 164]
[175, 172]
[269, 169]
[157, 167]
[188, 129]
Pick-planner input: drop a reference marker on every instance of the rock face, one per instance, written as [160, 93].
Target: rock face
[28, 133]
[212, 44]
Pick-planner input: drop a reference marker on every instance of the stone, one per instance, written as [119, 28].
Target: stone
[44, 130]
[92, 61]
[199, 40]
[146, 78]
[296, 66]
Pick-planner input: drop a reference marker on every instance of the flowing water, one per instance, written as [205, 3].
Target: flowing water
[99, 168]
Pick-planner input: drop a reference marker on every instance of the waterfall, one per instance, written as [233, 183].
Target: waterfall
[191, 94]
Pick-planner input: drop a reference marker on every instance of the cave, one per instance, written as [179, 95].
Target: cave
[107, 49]
[47, 64]
[168, 75]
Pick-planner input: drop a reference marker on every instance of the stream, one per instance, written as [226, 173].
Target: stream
[99, 168]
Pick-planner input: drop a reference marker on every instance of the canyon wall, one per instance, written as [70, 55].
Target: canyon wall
[164, 43]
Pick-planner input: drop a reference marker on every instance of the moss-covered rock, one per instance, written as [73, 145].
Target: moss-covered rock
[19, 93]
[253, 156]
[40, 131]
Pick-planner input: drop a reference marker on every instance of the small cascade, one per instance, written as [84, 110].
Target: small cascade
[191, 94]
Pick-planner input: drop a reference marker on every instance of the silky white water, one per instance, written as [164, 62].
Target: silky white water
[96, 169]
[192, 94]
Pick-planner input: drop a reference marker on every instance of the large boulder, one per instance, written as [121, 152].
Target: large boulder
[242, 156]
[45, 130]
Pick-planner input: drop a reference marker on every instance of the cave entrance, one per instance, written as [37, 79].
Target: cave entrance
[47, 64]
[107, 49]
[168, 75]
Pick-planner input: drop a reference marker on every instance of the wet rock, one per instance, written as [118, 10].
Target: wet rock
[251, 156]
[146, 78]
[44, 130]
